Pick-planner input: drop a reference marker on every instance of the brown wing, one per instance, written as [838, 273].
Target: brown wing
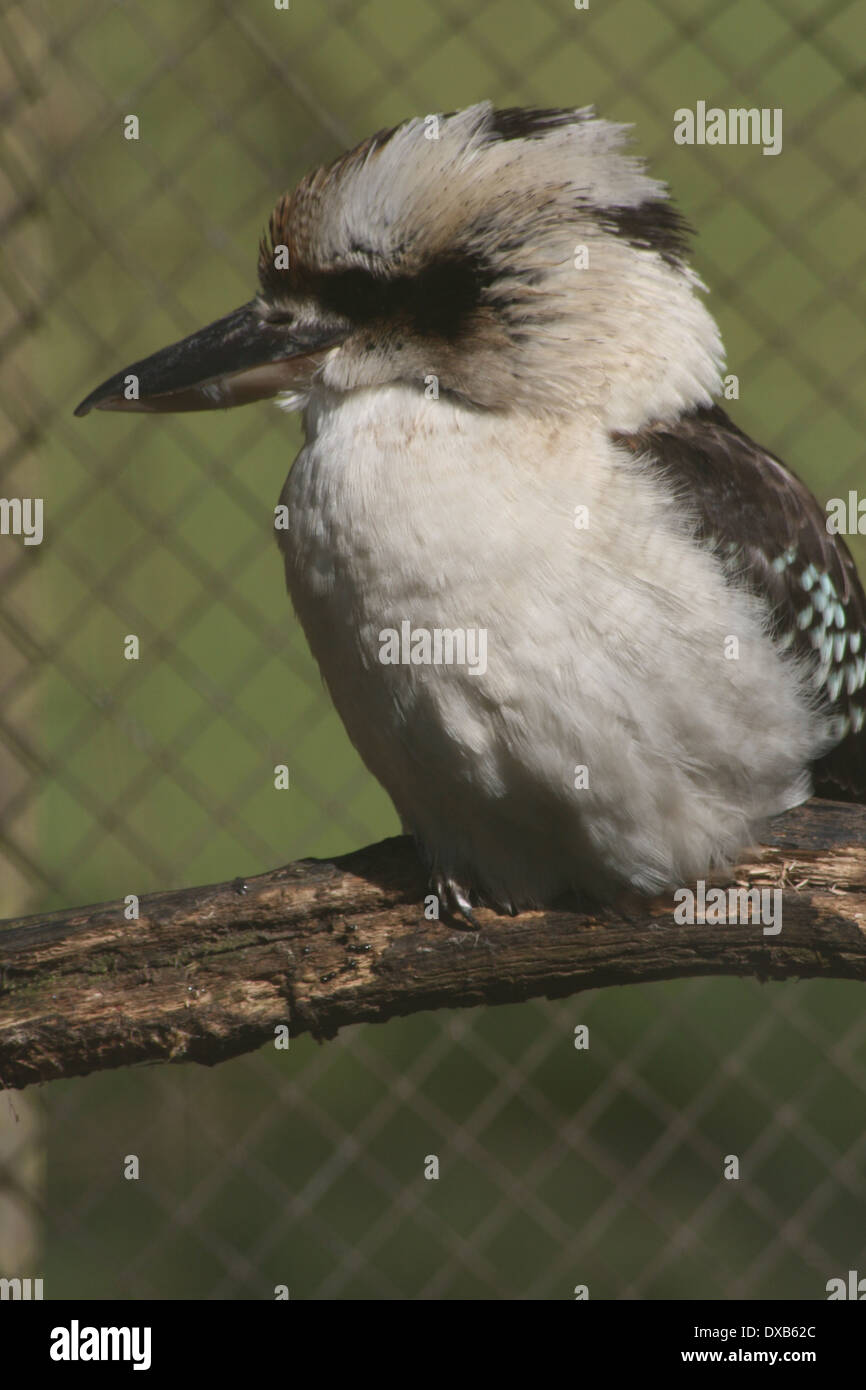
[770, 532]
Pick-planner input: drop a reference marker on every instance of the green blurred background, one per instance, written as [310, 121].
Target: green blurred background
[305, 1168]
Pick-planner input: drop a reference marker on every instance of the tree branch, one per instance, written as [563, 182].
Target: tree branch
[208, 973]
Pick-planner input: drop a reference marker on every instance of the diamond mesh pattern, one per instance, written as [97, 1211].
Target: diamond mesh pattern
[557, 1167]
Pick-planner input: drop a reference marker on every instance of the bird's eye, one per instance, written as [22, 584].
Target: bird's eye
[279, 317]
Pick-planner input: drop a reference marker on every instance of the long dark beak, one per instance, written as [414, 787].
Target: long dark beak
[238, 359]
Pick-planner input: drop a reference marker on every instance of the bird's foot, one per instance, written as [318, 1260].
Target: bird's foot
[456, 900]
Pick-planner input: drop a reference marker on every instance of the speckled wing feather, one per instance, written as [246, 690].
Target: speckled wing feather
[771, 533]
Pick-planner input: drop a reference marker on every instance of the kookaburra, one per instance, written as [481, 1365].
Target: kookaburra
[508, 380]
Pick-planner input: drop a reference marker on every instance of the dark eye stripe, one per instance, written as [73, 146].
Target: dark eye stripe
[434, 303]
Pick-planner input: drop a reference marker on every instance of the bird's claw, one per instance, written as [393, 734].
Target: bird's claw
[455, 900]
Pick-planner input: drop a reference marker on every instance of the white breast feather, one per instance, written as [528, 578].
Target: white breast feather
[606, 648]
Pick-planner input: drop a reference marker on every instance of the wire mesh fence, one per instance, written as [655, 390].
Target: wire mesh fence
[557, 1167]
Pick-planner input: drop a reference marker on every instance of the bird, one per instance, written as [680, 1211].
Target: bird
[587, 634]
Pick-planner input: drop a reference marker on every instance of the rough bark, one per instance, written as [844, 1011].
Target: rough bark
[207, 973]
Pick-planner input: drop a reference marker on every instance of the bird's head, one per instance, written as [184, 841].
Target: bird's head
[518, 257]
